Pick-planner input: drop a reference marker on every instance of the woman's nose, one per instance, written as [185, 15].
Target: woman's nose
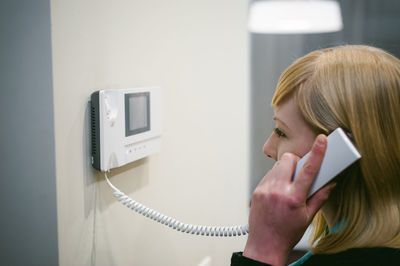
[270, 147]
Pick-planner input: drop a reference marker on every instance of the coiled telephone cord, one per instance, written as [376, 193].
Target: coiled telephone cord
[175, 224]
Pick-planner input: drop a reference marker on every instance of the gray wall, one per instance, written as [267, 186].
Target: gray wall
[28, 219]
[365, 22]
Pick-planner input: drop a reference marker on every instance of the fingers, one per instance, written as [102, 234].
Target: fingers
[287, 163]
[310, 169]
[318, 199]
[282, 169]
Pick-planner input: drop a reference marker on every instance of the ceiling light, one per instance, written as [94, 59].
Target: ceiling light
[294, 16]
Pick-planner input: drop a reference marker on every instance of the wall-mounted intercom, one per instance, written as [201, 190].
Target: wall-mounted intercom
[126, 126]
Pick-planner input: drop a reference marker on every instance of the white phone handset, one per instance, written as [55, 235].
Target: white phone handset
[339, 154]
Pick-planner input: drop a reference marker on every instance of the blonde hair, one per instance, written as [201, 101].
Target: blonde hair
[356, 88]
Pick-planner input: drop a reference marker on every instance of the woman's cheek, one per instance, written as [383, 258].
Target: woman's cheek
[292, 148]
[282, 149]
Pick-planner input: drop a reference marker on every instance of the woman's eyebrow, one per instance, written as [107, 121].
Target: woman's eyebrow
[280, 121]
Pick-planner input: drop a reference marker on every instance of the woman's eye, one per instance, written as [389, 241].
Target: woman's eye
[279, 132]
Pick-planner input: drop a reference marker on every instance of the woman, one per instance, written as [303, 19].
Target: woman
[356, 88]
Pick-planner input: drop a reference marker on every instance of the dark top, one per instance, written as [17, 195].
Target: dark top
[352, 257]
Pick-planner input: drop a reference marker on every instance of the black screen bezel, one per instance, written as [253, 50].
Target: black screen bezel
[128, 96]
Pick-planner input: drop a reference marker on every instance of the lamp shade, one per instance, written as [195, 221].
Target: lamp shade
[294, 16]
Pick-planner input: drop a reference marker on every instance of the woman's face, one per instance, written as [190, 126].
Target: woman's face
[291, 133]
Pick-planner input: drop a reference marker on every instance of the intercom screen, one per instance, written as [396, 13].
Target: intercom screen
[137, 113]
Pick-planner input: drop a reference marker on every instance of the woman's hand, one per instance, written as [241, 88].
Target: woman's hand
[280, 211]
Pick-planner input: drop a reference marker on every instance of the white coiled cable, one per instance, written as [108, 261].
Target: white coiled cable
[175, 224]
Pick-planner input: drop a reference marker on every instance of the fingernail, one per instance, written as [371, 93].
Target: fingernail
[286, 156]
[321, 140]
[332, 185]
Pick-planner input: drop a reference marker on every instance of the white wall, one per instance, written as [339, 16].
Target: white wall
[197, 51]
